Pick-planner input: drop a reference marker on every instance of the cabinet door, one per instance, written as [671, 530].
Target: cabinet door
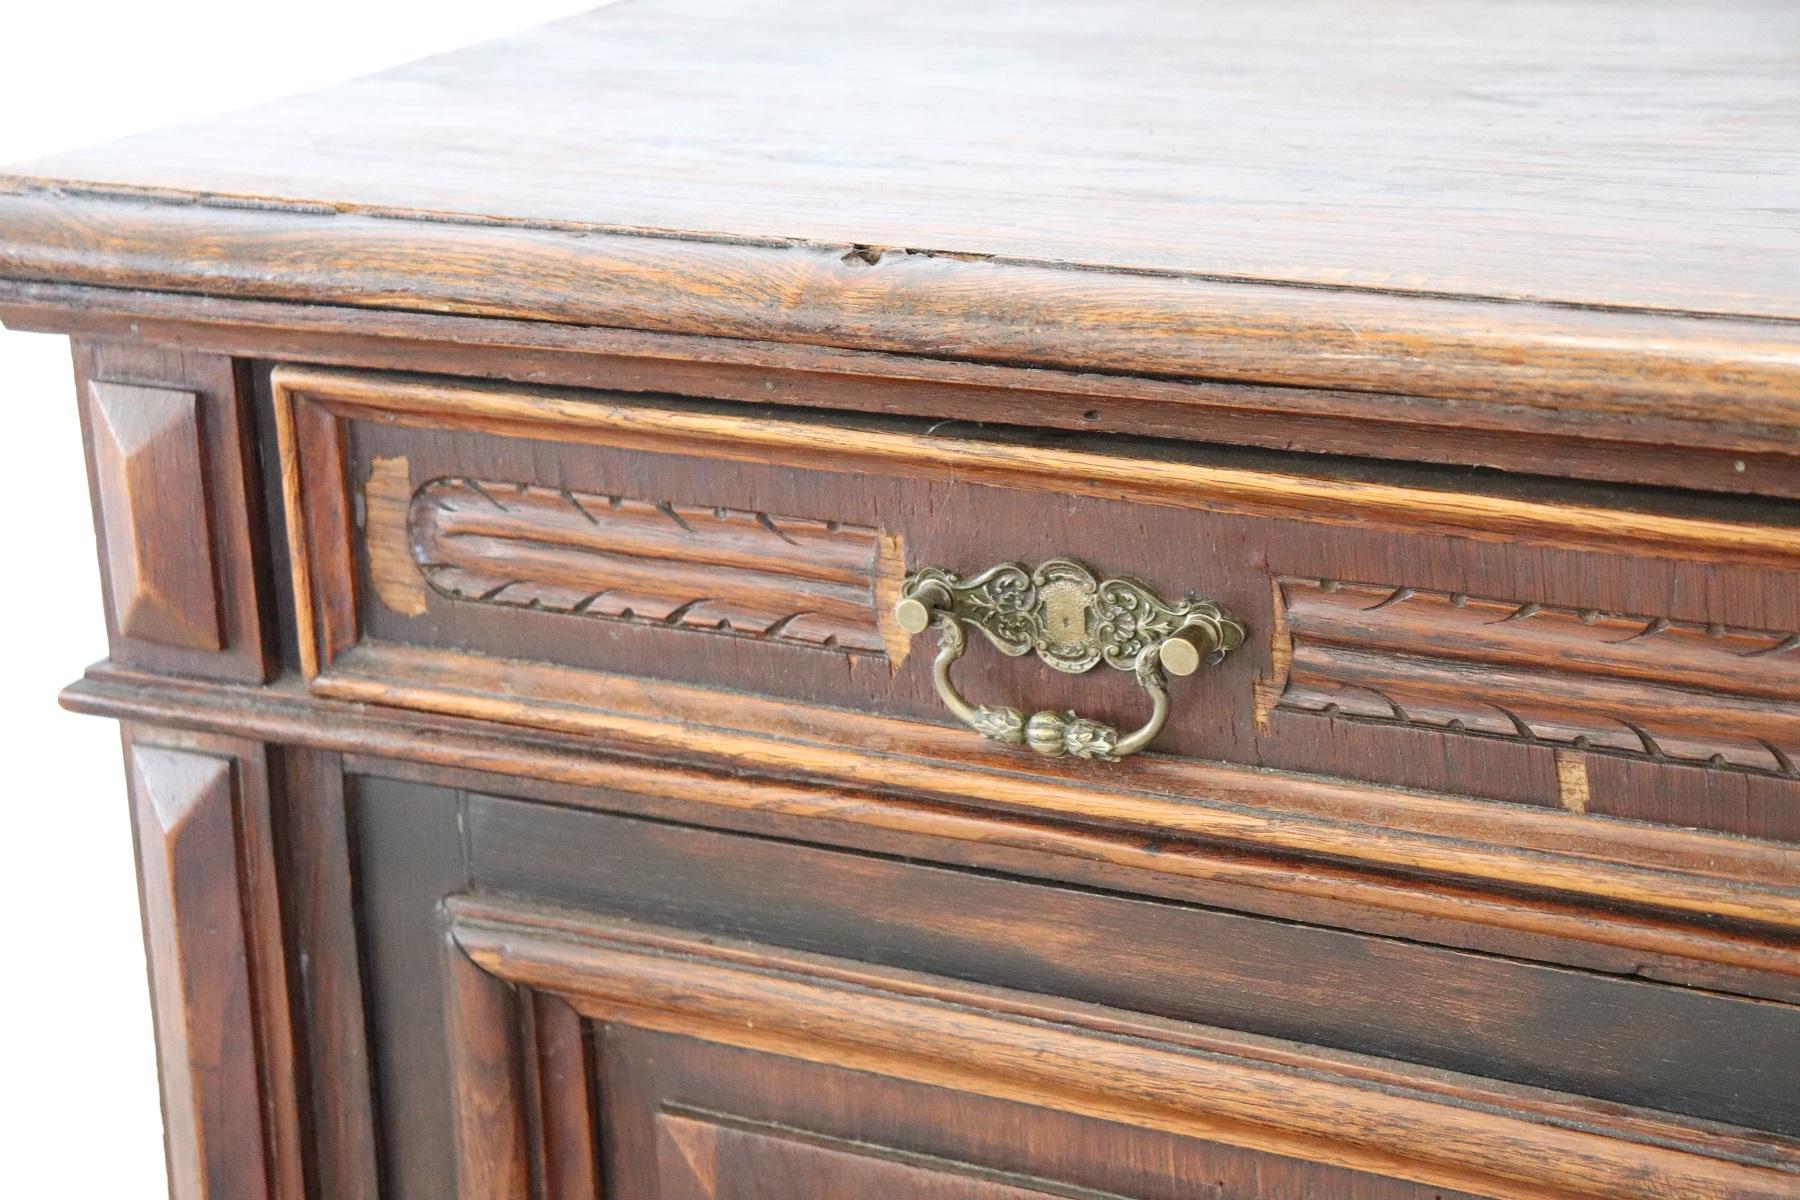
[570, 1004]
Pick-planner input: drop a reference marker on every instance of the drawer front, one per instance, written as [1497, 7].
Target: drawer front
[533, 546]
[577, 1003]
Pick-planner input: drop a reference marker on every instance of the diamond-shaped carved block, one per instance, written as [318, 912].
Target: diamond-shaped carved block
[149, 473]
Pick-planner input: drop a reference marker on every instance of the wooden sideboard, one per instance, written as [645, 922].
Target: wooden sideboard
[962, 602]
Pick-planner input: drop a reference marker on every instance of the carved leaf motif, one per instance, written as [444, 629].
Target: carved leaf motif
[719, 570]
[1645, 686]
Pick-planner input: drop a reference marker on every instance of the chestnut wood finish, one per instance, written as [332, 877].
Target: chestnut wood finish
[505, 470]
[218, 982]
[174, 513]
[746, 573]
[1601, 444]
[147, 467]
[1643, 686]
[337, 428]
[1083, 1060]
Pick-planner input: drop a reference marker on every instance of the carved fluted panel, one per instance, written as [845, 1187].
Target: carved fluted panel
[1625, 683]
[720, 570]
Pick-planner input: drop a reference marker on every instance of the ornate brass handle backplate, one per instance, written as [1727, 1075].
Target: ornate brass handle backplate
[1073, 619]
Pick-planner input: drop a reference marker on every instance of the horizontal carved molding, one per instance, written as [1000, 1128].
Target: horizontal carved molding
[1636, 685]
[1663, 451]
[1155, 826]
[1432, 1127]
[721, 570]
[945, 306]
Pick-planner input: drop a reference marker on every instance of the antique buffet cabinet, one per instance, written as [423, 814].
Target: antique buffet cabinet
[962, 602]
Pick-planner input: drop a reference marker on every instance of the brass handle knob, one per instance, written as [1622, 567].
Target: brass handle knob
[1073, 620]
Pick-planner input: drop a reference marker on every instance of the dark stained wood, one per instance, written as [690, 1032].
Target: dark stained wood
[486, 1080]
[761, 736]
[1350, 839]
[1140, 475]
[178, 525]
[968, 501]
[875, 1133]
[148, 472]
[197, 954]
[1634, 684]
[406, 851]
[324, 609]
[664, 561]
[218, 979]
[1752, 805]
[975, 1040]
[706, 1158]
[562, 1061]
[505, 470]
[325, 963]
[1621, 1040]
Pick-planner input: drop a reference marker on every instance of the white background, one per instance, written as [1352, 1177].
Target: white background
[78, 1096]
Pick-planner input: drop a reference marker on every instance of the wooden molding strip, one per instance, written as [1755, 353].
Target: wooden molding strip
[1498, 1141]
[488, 1089]
[1570, 440]
[1644, 686]
[1351, 834]
[953, 306]
[593, 420]
[573, 701]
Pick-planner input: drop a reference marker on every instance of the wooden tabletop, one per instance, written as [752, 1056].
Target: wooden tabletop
[1558, 164]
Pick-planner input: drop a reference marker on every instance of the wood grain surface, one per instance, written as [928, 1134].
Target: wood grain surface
[687, 566]
[983, 1041]
[1182, 519]
[175, 509]
[1737, 372]
[1582, 433]
[1138, 474]
[1591, 153]
[1606, 896]
[1450, 203]
[505, 467]
[666, 1092]
[148, 472]
[225, 1034]
[1641, 685]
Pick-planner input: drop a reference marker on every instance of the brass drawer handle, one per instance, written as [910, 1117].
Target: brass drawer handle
[1073, 619]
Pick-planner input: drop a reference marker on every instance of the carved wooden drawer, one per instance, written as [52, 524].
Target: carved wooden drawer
[1527, 644]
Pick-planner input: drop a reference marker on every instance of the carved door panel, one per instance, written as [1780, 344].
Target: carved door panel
[692, 1120]
[566, 1005]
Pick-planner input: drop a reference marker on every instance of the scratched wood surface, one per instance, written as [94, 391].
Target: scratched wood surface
[1593, 153]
